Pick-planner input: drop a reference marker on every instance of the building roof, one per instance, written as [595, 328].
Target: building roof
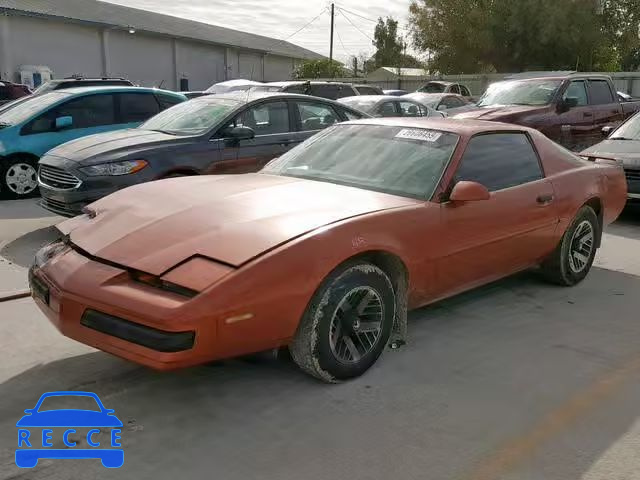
[108, 14]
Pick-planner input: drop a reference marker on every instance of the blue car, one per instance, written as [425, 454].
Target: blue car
[36, 431]
[35, 125]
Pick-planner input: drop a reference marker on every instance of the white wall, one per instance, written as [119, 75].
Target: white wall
[64, 47]
[201, 64]
[144, 59]
[250, 66]
[278, 68]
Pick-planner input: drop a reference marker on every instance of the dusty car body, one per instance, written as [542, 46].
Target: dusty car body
[390, 106]
[443, 102]
[323, 251]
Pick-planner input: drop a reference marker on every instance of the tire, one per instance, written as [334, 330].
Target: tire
[563, 267]
[347, 324]
[18, 177]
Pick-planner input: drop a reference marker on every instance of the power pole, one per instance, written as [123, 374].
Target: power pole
[331, 41]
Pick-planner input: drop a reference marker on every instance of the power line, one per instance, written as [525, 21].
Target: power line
[354, 25]
[358, 15]
[305, 26]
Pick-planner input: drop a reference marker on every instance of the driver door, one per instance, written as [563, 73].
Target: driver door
[271, 122]
[575, 125]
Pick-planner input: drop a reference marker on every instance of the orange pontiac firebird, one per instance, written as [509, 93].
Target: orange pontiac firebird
[325, 249]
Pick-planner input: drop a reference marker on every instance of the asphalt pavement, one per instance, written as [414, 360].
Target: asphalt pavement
[515, 380]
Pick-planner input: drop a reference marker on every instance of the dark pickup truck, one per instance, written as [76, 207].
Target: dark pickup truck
[570, 108]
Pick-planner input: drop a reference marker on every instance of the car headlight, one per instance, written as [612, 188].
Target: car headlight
[116, 168]
[49, 251]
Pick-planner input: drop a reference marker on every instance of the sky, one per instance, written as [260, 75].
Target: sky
[282, 18]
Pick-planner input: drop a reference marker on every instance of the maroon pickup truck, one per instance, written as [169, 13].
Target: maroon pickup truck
[569, 108]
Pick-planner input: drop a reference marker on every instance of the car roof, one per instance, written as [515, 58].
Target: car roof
[378, 98]
[112, 89]
[461, 126]
[247, 96]
[302, 82]
[441, 82]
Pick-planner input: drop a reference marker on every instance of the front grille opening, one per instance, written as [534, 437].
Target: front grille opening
[156, 282]
[57, 178]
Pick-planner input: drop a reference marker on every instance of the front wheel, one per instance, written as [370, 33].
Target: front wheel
[572, 259]
[18, 177]
[347, 323]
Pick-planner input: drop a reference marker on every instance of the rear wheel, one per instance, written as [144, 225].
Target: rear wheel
[347, 324]
[572, 259]
[18, 177]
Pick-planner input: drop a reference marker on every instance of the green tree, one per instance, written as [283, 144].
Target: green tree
[320, 69]
[469, 36]
[390, 47]
[621, 20]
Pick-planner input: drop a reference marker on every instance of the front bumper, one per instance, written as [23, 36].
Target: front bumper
[70, 201]
[633, 184]
[101, 306]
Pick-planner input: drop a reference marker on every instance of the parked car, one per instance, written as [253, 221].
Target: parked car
[72, 82]
[569, 108]
[228, 86]
[195, 94]
[10, 91]
[368, 90]
[395, 93]
[443, 102]
[439, 86]
[232, 133]
[330, 90]
[389, 106]
[622, 144]
[33, 126]
[384, 215]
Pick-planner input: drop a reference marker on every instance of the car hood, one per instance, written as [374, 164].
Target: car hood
[69, 418]
[500, 112]
[230, 218]
[627, 151]
[113, 144]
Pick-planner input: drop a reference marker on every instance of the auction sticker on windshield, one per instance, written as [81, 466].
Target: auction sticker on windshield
[419, 134]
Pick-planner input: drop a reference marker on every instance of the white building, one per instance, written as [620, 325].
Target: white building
[94, 39]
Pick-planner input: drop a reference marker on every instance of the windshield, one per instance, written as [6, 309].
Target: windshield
[401, 161]
[425, 99]
[63, 402]
[433, 88]
[45, 87]
[526, 92]
[194, 117]
[23, 111]
[363, 104]
[629, 130]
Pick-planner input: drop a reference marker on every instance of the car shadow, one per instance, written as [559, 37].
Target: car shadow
[22, 250]
[23, 209]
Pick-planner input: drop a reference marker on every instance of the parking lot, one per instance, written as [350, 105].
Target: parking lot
[518, 379]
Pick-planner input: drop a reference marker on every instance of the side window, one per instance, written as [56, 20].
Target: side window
[577, 89]
[298, 88]
[137, 107]
[316, 116]
[167, 101]
[387, 109]
[464, 91]
[327, 91]
[500, 160]
[410, 109]
[452, 102]
[86, 112]
[368, 91]
[346, 91]
[351, 115]
[455, 89]
[266, 119]
[600, 92]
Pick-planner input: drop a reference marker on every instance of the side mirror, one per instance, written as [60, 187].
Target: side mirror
[442, 106]
[606, 131]
[567, 104]
[241, 133]
[64, 122]
[469, 192]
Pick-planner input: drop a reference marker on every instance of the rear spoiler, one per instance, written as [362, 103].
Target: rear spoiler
[596, 158]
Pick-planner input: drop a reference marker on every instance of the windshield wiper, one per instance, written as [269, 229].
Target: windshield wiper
[621, 138]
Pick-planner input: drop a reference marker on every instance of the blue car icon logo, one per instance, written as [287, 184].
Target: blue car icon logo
[42, 426]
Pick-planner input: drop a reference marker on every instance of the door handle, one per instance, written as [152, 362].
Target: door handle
[544, 199]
